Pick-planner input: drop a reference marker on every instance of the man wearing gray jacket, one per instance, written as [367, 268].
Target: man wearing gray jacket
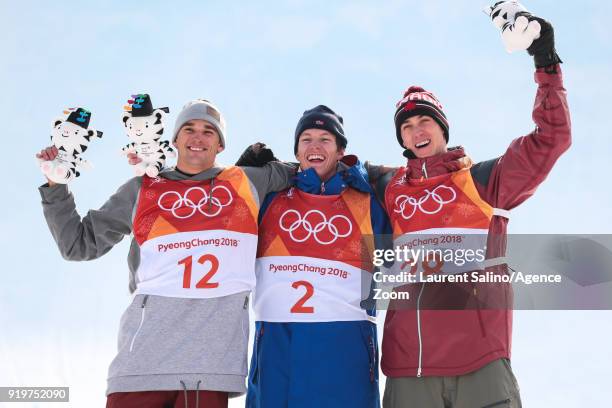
[183, 339]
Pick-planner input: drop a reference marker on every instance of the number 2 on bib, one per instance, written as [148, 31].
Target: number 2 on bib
[203, 283]
[299, 305]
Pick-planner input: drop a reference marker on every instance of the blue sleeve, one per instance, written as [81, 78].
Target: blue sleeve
[380, 223]
[265, 205]
[382, 240]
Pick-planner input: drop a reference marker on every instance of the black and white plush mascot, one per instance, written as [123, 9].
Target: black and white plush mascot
[521, 30]
[71, 135]
[145, 126]
[518, 30]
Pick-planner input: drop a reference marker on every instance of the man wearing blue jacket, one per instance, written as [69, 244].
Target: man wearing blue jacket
[314, 345]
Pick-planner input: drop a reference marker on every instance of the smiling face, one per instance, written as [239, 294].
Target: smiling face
[143, 129]
[317, 148]
[70, 137]
[423, 136]
[198, 144]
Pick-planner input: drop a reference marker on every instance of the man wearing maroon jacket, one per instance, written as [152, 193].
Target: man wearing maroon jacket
[450, 347]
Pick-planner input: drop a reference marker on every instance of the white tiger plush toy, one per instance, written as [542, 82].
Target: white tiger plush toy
[144, 126]
[71, 136]
[511, 17]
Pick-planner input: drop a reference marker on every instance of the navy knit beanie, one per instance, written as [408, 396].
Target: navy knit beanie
[321, 117]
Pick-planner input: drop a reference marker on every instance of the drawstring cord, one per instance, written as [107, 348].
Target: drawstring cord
[198, 394]
[210, 193]
[197, 404]
[184, 392]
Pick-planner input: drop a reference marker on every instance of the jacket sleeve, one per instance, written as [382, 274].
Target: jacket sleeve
[96, 233]
[379, 176]
[380, 221]
[274, 176]
[509, 180]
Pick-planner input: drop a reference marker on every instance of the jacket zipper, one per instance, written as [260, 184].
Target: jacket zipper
[372, 358]
[424, 170]
[142, 317]
[418, 310]
[479, 314]
[256, 352]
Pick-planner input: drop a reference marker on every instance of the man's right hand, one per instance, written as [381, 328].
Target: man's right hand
[543, 48]
[48, 154]
[133, 158]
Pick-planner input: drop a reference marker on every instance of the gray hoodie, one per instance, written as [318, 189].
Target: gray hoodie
[164, 343]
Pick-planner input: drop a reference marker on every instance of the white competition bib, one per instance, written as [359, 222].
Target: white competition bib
[197, 264]
[306, 289]
[440, 250]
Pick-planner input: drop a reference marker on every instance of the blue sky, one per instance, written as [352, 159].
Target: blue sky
[263, 64]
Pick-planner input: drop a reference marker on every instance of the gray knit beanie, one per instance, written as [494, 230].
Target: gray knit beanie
[204, 110]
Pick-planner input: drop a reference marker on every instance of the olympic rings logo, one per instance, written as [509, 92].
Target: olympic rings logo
[204, 205]
[404, 202]
[333, 226]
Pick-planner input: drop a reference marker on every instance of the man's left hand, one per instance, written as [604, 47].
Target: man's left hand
[256, 155]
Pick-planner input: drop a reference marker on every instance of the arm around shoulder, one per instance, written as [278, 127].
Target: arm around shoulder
[379, 176]
[273, 176]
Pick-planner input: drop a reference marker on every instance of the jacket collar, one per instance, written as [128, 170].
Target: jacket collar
[452, 160]
[174, 174]
[350, 173]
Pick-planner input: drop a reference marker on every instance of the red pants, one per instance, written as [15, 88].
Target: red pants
[167, 399]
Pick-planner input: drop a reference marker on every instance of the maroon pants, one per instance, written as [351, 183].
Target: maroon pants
[167, 399]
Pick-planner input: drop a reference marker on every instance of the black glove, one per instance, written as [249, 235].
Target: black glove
[543, 49]
[256, 155]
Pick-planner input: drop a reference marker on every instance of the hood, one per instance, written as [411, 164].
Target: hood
[452, 160]
[173, 173]
[350, 173]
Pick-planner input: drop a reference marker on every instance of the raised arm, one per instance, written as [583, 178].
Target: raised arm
[96, 233]
[512, 178]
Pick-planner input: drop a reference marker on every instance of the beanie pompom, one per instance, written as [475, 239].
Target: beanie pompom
[413, 89]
